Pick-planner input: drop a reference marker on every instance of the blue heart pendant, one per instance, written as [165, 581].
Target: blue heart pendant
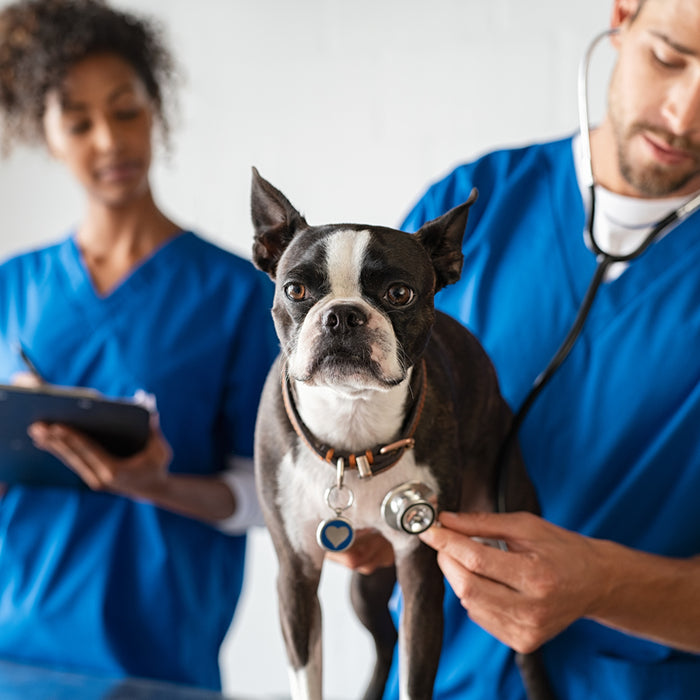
[335, 534]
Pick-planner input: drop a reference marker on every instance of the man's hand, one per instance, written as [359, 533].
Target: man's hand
[368, 552]
[548, 578]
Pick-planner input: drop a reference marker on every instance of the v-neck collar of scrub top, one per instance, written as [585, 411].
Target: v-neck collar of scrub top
[669, 256]
[81, 284]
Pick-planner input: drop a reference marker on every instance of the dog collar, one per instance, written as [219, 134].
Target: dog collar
[371, 461]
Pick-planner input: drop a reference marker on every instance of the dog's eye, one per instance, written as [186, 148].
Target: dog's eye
[295, 291]
[399, 295]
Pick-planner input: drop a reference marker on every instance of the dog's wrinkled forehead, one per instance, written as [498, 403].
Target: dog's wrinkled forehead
[345, 255]
[345, 259]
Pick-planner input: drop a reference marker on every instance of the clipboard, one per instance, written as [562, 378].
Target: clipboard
[120, 426]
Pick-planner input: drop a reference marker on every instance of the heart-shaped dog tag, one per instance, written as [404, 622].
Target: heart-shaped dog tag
[335, 534]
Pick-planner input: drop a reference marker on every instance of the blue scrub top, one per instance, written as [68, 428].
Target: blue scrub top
[101, 583]
[612, 442]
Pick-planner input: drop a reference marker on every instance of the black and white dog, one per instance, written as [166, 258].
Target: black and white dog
[378, 412]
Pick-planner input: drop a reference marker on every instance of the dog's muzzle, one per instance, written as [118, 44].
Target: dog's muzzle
[341, 319]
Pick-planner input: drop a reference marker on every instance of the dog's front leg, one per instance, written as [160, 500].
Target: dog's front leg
[370, 595]
[420, 630]
[300, 617]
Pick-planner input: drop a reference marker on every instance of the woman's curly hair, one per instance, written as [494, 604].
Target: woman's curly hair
[41, 39]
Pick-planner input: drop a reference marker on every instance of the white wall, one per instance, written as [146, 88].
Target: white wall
[350, 108]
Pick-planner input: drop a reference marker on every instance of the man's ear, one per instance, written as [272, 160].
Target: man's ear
[275, 222]
[623, 12]
[442, 239]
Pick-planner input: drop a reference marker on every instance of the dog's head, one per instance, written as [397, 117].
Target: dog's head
[353, 304]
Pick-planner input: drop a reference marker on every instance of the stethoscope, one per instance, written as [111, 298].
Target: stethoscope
[603, 262]
[411, 507]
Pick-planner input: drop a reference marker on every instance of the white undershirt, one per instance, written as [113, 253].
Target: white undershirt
[621, 223]
[240, 478]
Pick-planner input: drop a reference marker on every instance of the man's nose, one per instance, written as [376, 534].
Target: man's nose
[681, 109]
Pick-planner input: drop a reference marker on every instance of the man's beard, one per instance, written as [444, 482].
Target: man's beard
[656, 180]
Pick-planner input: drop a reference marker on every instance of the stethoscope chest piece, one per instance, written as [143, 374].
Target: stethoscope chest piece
[410, 507]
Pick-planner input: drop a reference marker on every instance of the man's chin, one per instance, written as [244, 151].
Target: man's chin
[656, 181]
[655, 173]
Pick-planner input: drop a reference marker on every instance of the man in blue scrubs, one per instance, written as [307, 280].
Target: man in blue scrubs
[607, 583]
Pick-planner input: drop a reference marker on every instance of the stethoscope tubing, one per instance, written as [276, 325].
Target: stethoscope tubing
[604, 261]
[583, 102]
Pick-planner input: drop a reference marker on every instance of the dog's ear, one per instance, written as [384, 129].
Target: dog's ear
[275, 221]
[442, 239]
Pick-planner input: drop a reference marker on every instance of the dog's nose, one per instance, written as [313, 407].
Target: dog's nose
[343, 318]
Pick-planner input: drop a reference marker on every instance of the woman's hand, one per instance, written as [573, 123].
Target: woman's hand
[26, 379]
[143, 476]
[139, 476]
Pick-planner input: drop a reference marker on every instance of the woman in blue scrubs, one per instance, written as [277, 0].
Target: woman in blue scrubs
[138, 573]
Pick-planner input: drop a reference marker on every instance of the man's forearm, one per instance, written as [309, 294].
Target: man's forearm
[651, 596]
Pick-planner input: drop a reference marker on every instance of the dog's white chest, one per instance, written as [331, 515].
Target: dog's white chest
[304, 505]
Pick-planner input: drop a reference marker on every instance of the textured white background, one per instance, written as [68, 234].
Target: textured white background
[350, 108]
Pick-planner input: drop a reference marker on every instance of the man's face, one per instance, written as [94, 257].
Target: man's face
[654, 99]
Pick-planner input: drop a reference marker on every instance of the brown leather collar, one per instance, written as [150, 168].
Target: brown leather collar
[371, 461]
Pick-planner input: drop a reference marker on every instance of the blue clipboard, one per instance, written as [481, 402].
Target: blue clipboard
[120, 426]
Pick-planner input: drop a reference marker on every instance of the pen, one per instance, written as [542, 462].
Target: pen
[30, 365]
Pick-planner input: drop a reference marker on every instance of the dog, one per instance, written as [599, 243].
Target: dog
[378, 412]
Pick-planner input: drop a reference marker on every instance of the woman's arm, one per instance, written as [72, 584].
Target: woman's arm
[143, 476]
